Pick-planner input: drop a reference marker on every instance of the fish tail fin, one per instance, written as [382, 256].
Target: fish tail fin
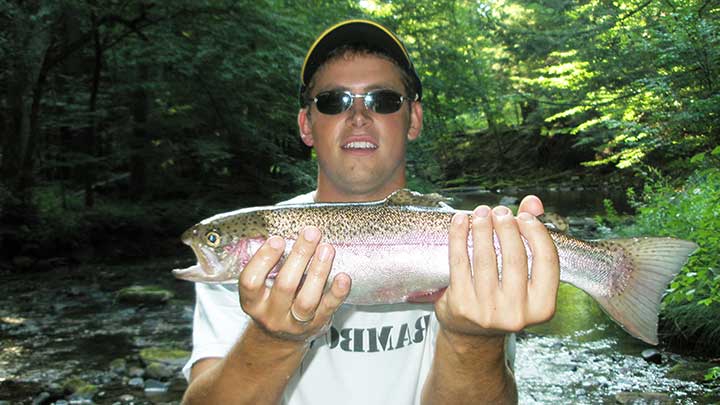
[655, 262]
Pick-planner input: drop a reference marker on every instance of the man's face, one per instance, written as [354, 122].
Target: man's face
[361, 153]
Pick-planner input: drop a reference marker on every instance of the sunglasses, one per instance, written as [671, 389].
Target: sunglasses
[379, 101]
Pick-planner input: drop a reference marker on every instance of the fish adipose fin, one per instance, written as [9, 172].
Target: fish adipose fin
[655, 262]
[409, 197]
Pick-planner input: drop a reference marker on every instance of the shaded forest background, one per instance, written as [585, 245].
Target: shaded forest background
[124, 122]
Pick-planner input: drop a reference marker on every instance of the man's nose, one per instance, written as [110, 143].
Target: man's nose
[359, 114]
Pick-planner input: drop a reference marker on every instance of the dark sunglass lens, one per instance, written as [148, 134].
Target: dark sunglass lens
[333, 102]
[385, 102]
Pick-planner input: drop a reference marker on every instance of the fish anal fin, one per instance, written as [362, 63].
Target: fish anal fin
[408, 197]
[420, 297]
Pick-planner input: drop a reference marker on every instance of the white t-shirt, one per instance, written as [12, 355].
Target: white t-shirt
[371, 354]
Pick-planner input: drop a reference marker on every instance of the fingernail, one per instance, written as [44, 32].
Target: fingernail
[324, 253]
[458, 219]
[501, 211]
[276, 242]
[526, 217]
[482, 211]
[311, 234]
[342, 282]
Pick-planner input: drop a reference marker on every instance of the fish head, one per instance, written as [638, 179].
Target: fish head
[222, 246]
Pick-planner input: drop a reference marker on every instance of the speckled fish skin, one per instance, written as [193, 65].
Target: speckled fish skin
[399, 253]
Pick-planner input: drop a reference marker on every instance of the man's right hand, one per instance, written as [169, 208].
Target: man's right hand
[289, 310]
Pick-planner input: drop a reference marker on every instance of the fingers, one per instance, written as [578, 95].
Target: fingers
[545, 266]
[297, 307]
[289, 276]
[491, 304]
[485, 271]
[332, 300]
[251, 284]
[514, 258]
[306, 301]
[460, 276]
[531, 204]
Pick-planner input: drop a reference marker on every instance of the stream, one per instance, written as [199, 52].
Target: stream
[66, 336]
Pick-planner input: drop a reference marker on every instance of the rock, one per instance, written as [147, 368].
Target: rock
[83, 253]
[23, 262]
[42, 399]
[159, 371]
[652, 356]
[582, 222]
[136, 382]
[690, 371]
[55, 389]
[177, 386]
[509, 200]
[86, 391]
[72, 384]
[126, 398]
[30, 249]
[118, 366]
[155, 387]
[53, 263]
[136, 372]
[165, 355]
[42, 266]
[77, 399]
[144, 295]
[642, 398]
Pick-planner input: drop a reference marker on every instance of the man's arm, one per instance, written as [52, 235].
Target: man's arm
[255, 371]
[260, 364]
[478, 309]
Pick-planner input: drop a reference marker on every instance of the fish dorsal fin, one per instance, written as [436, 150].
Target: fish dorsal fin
[409, 197]
[555, 221]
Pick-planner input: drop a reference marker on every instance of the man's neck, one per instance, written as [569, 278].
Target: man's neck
[331, 194]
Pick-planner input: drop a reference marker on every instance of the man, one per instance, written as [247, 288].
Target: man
[296, 343]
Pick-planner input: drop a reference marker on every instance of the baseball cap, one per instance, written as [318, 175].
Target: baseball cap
[357, 32]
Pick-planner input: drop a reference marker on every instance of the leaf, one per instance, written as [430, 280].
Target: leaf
[700, 157]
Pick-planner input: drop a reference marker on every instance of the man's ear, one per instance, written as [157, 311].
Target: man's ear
[305, 127]
[416, 115]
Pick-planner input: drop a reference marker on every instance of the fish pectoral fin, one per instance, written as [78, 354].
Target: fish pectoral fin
[409, 197]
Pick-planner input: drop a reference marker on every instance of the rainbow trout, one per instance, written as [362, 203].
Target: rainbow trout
[396, 250]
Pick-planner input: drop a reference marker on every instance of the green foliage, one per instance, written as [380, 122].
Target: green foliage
[687, 211]
[713, 374]
[611, 216]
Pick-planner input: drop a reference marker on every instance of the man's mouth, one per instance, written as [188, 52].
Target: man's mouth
[359, 145]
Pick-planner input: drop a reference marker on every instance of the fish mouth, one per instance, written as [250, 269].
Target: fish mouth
[187, 236]
[203, 257]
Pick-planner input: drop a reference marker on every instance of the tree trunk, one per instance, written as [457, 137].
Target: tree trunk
[91, 142]
[138, 141]
[25, 91]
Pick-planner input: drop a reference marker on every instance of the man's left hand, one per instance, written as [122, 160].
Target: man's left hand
[477, 302]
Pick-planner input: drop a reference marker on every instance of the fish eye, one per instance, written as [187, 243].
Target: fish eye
[212, 238]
